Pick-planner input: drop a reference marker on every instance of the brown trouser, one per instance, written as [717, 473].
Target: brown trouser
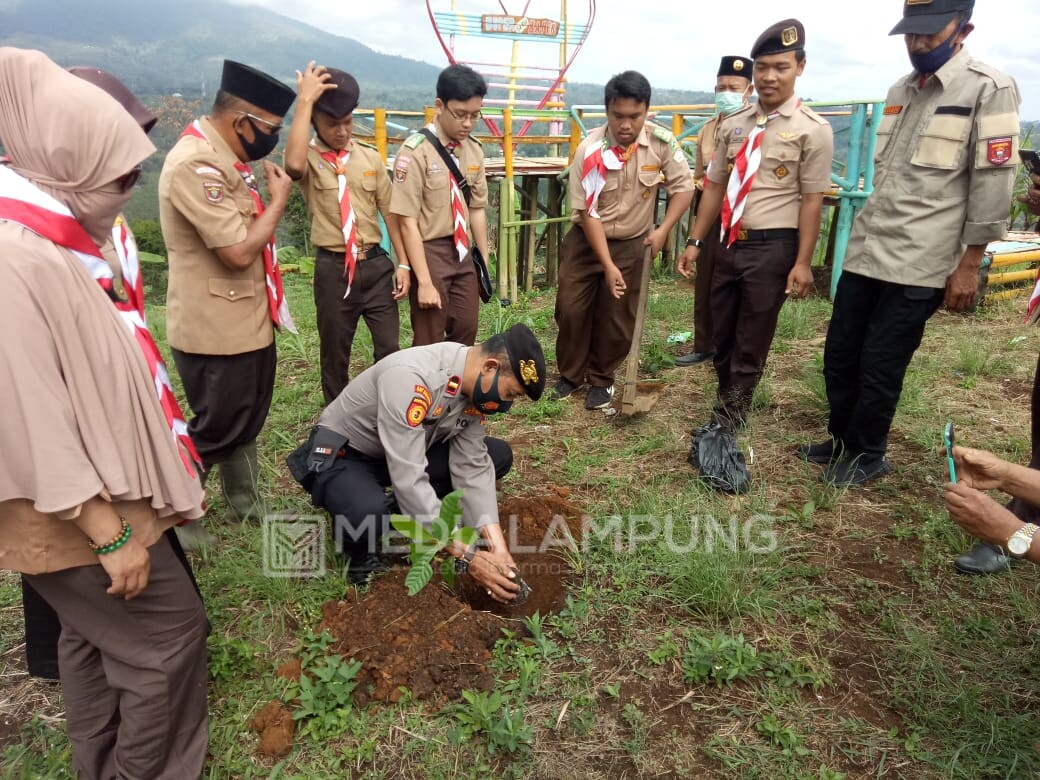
[703, 331]
[456, 283]
[133, 672]
[595, 328]
[747, 292]
[371, 296]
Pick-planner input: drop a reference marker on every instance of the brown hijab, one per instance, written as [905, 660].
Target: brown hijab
[69, 137]
[80, 414]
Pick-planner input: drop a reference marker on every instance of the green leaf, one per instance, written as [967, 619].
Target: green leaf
[448, 571]
[466, 536]
[451, 508]
[418, 577]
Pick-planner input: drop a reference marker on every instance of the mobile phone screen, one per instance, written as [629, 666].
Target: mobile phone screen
[1030, 160]
[948, 440]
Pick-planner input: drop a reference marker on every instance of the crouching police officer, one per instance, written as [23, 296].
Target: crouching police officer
[415, 422]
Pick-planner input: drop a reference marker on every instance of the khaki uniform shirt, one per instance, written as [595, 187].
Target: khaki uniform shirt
[797, 147]
[204, 203]
[369, 189]
[945, 167]
[629, 197]
[402, 406]
[421, 180]
[706, 141]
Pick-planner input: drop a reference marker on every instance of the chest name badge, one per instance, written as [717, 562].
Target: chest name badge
[893, 110]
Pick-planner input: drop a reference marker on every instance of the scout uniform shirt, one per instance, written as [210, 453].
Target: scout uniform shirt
[706, 140]
[369, 189]
[204, 203]
[629, 197]
[402, 406]
[421, 183]
[946, 159]
[797, 147]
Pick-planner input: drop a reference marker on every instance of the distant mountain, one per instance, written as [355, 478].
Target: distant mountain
[178, 46]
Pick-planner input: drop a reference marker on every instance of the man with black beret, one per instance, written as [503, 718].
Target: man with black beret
[346, 187]
[945, 167]
[770, 170]
[415, 421]
[224, 294]
[733, 90]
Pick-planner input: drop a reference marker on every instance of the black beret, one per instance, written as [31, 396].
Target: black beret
[927, 17]
[117, 89]
[256, 87]
[788, 35]
[341, 101]
[735, 66]
[526, 359]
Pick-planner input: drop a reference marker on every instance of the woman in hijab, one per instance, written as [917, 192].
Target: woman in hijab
[93, 467]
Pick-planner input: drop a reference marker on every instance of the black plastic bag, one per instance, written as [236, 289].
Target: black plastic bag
[714, 452]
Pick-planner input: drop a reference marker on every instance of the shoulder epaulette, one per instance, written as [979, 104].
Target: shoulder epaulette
[661, 134]
[812, 115]
[414, 140]
[367, 145]
[998, 77]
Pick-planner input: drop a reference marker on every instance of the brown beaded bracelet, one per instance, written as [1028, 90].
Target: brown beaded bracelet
[122, 538]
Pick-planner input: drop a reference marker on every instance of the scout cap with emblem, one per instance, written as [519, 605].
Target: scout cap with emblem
[341, 101]
[256, 87]
[927, 17]
[788, 35]
[117, 89]
[735, 66]
[526, 359]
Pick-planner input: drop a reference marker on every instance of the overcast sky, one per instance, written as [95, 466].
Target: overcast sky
[677, 43]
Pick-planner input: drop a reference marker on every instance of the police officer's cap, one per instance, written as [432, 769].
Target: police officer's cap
[256, 87]
[117, 89]
[526, 360]
[927, 17]
[341, 101]
[735, 66]
[788, 35]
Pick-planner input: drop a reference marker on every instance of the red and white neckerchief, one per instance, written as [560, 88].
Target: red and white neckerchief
[460, 231]
[598, 160]
[276, 302]
[348, 220]
[25, 204]
[745, 166]
[130, 263]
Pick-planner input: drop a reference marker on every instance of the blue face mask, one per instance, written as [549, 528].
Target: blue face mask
[490, 402]
[932, 61]
[729, 102]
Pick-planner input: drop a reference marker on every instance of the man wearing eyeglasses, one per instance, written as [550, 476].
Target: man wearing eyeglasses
[439, 219]
[224, 295]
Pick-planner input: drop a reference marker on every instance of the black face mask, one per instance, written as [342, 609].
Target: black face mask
[490, 402]
[261, 145]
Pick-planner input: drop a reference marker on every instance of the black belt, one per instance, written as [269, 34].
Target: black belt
[773, 234]
[376, 250]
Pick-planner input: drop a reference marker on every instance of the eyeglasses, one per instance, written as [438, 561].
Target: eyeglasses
[462, 116]
[129, 179]
[274, 128]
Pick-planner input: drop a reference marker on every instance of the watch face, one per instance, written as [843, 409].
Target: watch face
[1018, 546]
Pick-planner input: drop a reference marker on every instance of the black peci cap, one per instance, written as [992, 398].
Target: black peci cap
[927, 17]
[117, 89]
[256, 87]
[341, 101]
[526, 359]
[788, 35]
[735, 66]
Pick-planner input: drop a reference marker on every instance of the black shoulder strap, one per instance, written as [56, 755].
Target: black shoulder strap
[449, 161]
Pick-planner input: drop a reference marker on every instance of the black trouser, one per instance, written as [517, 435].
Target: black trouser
[875, 329]
[353, 490]
[747, 291]
[1028, 513]
[703, 325]
[371, 297]
[229, 395]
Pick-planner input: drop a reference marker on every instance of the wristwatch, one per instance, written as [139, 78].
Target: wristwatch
[462, 564]
[1021, 540]
[697, 242]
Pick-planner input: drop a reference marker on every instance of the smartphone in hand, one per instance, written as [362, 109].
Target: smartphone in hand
[948, 440]
[1030, 160]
